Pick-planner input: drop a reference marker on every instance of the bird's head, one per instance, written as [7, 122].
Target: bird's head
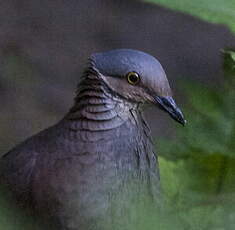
[137, 77]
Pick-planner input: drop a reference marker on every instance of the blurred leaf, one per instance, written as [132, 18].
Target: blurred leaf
[231, 54]
[229, 66]
[214, 11]
[198, 166]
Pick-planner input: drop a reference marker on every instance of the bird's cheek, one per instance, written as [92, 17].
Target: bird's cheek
[139, 95]
[148, 98]
[118, 85]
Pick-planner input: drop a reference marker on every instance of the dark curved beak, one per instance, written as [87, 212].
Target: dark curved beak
[168, 104]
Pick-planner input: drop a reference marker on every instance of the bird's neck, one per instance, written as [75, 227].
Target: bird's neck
[97, 111]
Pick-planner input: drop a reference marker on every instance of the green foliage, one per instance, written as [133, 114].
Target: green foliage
[12, 219]
[198, 166]
[215, 11]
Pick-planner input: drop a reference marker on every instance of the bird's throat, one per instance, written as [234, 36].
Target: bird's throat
[96, 110]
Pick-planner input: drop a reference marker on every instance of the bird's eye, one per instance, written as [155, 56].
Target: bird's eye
[133, 78]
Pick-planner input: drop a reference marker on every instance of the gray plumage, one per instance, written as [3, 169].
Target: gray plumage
[88, 170]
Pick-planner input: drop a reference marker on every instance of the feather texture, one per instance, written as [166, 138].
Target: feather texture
[90, 170]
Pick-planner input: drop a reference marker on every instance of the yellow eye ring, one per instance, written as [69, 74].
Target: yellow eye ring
[133, 78]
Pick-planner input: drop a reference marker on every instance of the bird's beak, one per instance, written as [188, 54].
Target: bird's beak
[168, 104]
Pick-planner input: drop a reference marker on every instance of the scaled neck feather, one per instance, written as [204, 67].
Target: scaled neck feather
[97, 108]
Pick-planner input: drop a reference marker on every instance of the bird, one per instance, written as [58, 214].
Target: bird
[98, 161]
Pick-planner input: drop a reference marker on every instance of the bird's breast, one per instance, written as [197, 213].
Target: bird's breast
[84, 181]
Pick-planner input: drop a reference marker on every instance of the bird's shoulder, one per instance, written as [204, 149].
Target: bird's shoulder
[17, 165]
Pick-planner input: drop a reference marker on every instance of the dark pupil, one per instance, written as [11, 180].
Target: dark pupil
[133, 78]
